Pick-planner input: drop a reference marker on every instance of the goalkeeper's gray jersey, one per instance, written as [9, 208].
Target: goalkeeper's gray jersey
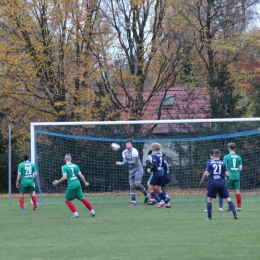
[129, 156]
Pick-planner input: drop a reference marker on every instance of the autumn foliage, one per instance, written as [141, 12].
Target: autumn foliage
[97, 60]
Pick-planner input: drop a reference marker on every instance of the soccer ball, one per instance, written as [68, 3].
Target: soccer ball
[115, 146]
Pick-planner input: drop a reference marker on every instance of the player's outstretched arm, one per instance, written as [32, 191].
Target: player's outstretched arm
[63, 178]
[122, 163]
[81, 176]
[119, 163]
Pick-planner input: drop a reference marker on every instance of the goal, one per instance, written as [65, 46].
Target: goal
[185, 142]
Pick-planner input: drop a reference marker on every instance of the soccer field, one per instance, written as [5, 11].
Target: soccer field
[122, 232]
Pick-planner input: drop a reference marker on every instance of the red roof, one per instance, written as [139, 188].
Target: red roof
[188, 103]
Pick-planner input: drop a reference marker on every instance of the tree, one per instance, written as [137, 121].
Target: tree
[141, 56]
[216, 27]
[249, 70]
[4, 157]
[227, 99]
[46, 61]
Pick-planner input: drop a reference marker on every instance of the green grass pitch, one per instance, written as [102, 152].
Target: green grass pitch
[122, 232]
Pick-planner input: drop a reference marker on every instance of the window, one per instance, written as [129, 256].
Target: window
[168, 101]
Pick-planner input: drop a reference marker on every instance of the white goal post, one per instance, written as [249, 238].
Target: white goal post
[186, 142]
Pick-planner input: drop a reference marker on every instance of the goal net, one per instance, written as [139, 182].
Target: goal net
[185, 142]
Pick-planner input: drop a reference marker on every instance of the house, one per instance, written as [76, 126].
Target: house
[179, 103]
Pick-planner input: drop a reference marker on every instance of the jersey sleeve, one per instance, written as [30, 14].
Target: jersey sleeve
[34, 169]
[78, 170]
[240, 164]
[19, 171]
[154, 162]
[123, 155]
[166, 167]
[135, 153]
[208, 167]
[225, 168]
[63, 171]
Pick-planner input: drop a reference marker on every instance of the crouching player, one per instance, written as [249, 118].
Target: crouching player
[215, 170]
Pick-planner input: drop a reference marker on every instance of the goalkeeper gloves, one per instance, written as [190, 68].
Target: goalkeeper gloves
[127, 162]
[122, 163]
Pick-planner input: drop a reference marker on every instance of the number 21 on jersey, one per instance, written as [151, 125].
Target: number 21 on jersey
[217, 170]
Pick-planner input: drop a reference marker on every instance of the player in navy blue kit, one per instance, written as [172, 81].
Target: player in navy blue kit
[216, 170]
[158, 175]
[166, 177]
[220, 200]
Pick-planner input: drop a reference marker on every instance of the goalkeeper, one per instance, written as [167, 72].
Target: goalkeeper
[234, 167]
[131, 158]
[72, 173]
